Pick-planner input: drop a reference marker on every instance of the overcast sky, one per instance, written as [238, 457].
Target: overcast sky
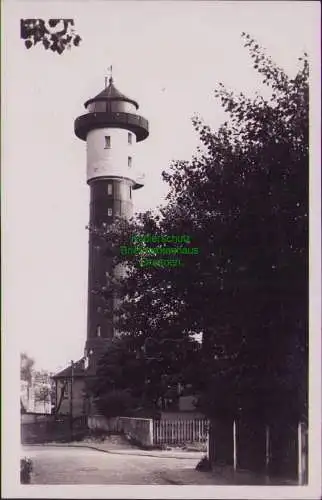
[167, 55]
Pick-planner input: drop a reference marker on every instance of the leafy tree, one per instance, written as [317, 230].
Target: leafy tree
[43, 393]
[44, 387]
[131, 376]
[56, 34]
[117, 402]
[26, 367]
[261, 220]
[243, 200]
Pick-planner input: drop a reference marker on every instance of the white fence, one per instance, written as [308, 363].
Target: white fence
[150, 432]
[180, 431]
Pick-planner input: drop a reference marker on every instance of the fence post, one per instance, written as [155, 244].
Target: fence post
[151, 436]
[299, 459]
[235, 444]
[267, 449]
[304, 453]
[208, 446]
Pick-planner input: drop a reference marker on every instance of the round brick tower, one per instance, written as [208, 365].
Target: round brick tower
[111, 128]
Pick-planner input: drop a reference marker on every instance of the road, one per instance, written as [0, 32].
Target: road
[64, 465]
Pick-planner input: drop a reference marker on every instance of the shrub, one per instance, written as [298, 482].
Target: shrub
[25, 470]
[203, 465]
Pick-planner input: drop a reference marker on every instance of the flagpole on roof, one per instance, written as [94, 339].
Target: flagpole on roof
[110, 77]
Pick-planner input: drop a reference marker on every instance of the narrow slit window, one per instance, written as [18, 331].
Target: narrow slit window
[109, 189]
[107, 142]
[65, 388]
[98, 331]
[109, 212]
[130, 193]
[129, 138]
[129, 161]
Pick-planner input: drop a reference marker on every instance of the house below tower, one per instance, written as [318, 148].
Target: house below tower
[70, 390]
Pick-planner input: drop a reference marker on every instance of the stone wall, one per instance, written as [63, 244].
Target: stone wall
[33, 418]
[98, 422]
[37, 428]
[138, 429]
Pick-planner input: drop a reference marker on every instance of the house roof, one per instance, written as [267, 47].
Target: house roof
[78, 369]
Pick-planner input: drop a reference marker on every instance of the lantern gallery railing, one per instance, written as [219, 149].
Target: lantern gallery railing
[136, 123]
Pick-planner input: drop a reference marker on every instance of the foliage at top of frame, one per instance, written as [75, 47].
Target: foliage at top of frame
[54, 34]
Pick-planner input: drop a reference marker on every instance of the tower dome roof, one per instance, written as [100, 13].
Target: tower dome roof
[111, 108]
[111, 93]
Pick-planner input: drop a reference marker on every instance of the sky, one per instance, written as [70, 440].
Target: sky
[169, 56]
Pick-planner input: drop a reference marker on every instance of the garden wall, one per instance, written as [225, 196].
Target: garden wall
[138, 429]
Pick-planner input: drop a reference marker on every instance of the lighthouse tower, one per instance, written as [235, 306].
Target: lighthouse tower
[111, 128]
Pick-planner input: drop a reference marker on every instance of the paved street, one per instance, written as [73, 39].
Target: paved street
[63, 465]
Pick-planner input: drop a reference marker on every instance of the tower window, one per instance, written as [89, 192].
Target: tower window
[130, 193]
[129, 161]
[109, 212]
[98, 331]
[107, 142]
[109, 188]
[129, 138]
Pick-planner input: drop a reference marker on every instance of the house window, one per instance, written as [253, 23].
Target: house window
[109, 188]
[109, 212]
[66, 391]
[107, 142]
[129, 161]
[129, 138]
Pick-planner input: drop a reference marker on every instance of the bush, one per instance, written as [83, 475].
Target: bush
[25, 470]
[203, 465]
[98, 434]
